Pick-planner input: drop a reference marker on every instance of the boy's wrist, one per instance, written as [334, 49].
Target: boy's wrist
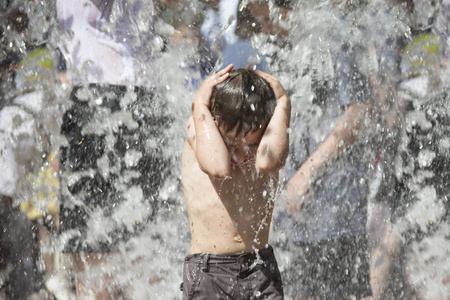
[284, 99]
[283, 109]
[197, 103]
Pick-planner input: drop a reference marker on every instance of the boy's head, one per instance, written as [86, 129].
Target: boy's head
[243, 103]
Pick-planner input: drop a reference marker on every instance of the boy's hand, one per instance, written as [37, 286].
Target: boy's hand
[275, 84]
[203, 95]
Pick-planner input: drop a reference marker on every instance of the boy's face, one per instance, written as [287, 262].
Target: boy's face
[242, 147]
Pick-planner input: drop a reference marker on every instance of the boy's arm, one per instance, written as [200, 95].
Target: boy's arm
[190, 132]
[274, 146]
[210, 149]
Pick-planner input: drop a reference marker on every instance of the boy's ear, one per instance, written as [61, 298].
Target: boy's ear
[220, 126]
[217, 121]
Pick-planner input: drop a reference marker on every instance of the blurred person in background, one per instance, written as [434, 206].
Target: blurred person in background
[227, 32]
[416, 180]
[324, 232]
[113, 161]
[27, 73]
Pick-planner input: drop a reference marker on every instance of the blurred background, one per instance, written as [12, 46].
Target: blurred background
[93, 103]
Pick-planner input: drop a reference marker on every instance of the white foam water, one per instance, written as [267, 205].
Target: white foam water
[149, 266]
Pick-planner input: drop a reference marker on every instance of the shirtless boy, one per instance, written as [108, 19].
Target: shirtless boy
[237, 141]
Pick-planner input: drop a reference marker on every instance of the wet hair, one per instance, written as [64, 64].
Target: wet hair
[244, 101]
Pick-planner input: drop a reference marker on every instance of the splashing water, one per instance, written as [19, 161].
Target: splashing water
[415, 145]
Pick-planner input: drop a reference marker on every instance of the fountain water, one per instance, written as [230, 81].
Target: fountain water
[148, 263]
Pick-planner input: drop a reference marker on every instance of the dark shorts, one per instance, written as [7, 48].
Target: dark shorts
[112, 165]
[333, 269]
[238, 276]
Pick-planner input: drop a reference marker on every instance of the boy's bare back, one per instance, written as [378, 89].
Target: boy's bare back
[230, 202]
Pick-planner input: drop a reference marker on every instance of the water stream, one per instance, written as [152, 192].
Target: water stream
[409, 158]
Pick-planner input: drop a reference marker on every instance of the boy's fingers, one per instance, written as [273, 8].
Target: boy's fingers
[269, 78]
[225, 70]
[220, 78]
[221, 75]
[258, 72]
[264, 75]
[274, 83]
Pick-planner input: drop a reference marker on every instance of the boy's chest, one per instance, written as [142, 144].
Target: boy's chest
[246, 188]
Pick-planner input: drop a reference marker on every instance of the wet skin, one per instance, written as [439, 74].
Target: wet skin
[230, 215]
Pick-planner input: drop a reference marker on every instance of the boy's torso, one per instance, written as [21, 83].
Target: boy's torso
[227, 216]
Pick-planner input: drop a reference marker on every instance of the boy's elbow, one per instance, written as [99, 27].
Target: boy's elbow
[217, 171]
[272, 161]
[269, 166]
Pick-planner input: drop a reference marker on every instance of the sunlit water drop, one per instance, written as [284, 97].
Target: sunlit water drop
[149, 265]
